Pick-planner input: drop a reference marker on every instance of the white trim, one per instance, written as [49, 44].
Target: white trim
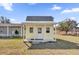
[1, 24]
[39, 22]
[24, 32]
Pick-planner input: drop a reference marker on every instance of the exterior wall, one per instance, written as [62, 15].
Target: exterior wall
[12, 30]
[3, 31]
[46, 36]
[8, 30]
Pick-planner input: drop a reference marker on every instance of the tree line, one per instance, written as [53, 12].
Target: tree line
[67, 25]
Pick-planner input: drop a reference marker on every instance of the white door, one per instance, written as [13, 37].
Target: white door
[39, 33]
[39, 36]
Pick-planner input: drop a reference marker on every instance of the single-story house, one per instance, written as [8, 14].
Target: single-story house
[39, 29]
[10, 29]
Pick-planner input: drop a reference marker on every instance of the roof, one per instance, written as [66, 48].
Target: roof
[39, 18]
[10, 24]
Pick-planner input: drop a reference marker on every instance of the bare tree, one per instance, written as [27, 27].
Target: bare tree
[4, 19]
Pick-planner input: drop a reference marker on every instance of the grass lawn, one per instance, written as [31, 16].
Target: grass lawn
[74, 39]
[12, 46]
[65, 45]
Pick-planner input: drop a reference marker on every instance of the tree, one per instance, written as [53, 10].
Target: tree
[67, 25]
[16, 32]
[4, 19]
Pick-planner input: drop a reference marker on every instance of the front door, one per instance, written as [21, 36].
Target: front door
[39, 36]
[39, 33]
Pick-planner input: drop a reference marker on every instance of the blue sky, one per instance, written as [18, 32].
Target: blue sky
[18, 12]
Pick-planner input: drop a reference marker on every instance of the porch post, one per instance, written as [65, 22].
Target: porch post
[7, 31]
[24, 31]
[21, 31]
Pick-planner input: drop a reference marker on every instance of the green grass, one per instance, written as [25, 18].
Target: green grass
[64, 45]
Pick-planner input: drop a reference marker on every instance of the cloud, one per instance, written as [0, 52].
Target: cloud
[66, 11]
[55, 7]
[73, 18]
[70, 10]
[7, 6]
[14, 21]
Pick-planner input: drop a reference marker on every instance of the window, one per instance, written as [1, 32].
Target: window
[32, 39]
[38, 39]
[39, 30]
[31, 30]
[47, 30]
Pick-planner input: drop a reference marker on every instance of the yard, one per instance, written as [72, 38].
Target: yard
[64, 45]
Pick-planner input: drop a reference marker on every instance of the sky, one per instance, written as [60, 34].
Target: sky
[17, 12]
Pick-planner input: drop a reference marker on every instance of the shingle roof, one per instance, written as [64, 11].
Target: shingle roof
[39, 18]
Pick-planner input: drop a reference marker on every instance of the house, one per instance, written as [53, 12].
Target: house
[39, 29]
[77, 30]
[10, 30]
